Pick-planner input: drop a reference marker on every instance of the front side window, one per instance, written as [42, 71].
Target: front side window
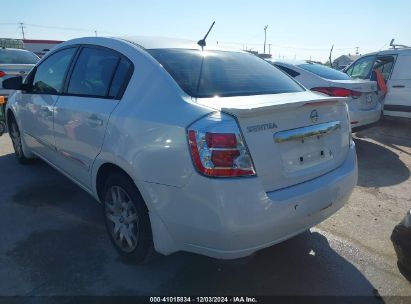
[362, 68]
[219, 73]
[93, 72]
[49, 75]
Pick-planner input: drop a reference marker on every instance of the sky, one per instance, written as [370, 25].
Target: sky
[296, 29]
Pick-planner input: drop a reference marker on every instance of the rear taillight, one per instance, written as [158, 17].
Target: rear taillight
[218, 148]
[2, 74]
[337, 92]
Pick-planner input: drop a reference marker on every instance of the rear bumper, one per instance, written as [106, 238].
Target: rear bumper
[360, 118]
[233, 218]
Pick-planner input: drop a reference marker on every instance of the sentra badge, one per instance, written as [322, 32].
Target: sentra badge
[263, 127]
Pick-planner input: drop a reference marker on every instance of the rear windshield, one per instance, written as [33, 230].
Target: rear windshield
[324, 72]
[17, 57]
[219, 73]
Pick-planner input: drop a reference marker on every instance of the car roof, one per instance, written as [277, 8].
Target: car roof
[148, 42]
[393, 51]
[406, 51]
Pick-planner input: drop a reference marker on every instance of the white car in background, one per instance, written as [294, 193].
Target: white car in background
[214, 152]
[364, 105]
[395, 66]
[15, 62]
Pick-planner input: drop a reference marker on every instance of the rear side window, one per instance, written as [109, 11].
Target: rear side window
[8, 56]
[50, 74]
[324, 72]
[93, 73]
[120, 79]
[219, 73]
[289, 71]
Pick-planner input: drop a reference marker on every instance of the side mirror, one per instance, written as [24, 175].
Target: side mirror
[13, 83]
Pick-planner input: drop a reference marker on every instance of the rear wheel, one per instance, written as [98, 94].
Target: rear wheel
[127, 219]
[15, 136]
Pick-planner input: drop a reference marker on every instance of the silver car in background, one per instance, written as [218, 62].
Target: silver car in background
[15, 62]
[364, 105]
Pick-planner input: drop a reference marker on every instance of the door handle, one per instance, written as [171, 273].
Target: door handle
[398, 86]
[93, 120]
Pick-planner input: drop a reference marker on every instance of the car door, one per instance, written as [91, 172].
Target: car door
[384, 64]
[82, 113]
[36, 105]
[398, 99]
[362, 68]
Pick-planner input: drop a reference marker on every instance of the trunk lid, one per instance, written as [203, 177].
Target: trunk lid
[369, 89]
[292, 137]
[12, 70]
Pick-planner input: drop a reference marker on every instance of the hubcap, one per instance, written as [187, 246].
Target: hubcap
[15, 138]
[122, 219]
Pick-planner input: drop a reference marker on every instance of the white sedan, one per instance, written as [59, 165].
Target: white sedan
[208, 151]
[364, 101]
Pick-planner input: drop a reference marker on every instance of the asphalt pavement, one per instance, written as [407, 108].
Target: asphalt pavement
[53, 240]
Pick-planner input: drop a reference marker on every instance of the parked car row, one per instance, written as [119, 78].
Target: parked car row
[190, 147]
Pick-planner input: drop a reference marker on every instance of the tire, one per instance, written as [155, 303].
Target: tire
[2, 128]
[15, 136]
[127, 220]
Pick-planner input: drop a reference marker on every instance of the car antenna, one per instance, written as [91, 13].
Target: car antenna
[202, 42]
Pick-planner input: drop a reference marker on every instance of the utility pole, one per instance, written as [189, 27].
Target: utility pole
[22, 29]
[265, 36]
[269, 49]
[331, 51]
[356, 50]
[95, 32]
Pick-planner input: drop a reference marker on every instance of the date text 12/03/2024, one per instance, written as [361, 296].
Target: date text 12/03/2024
[203, 300]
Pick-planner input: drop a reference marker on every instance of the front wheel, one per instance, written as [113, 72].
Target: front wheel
[2, 127]
[127, 219]
[16, 139]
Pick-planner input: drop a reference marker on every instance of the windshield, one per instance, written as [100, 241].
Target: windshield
[324, 72]
[8, 56]
[219, 73]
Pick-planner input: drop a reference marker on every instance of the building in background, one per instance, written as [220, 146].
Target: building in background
[344, 61]
[40, 47]
[11, 43]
